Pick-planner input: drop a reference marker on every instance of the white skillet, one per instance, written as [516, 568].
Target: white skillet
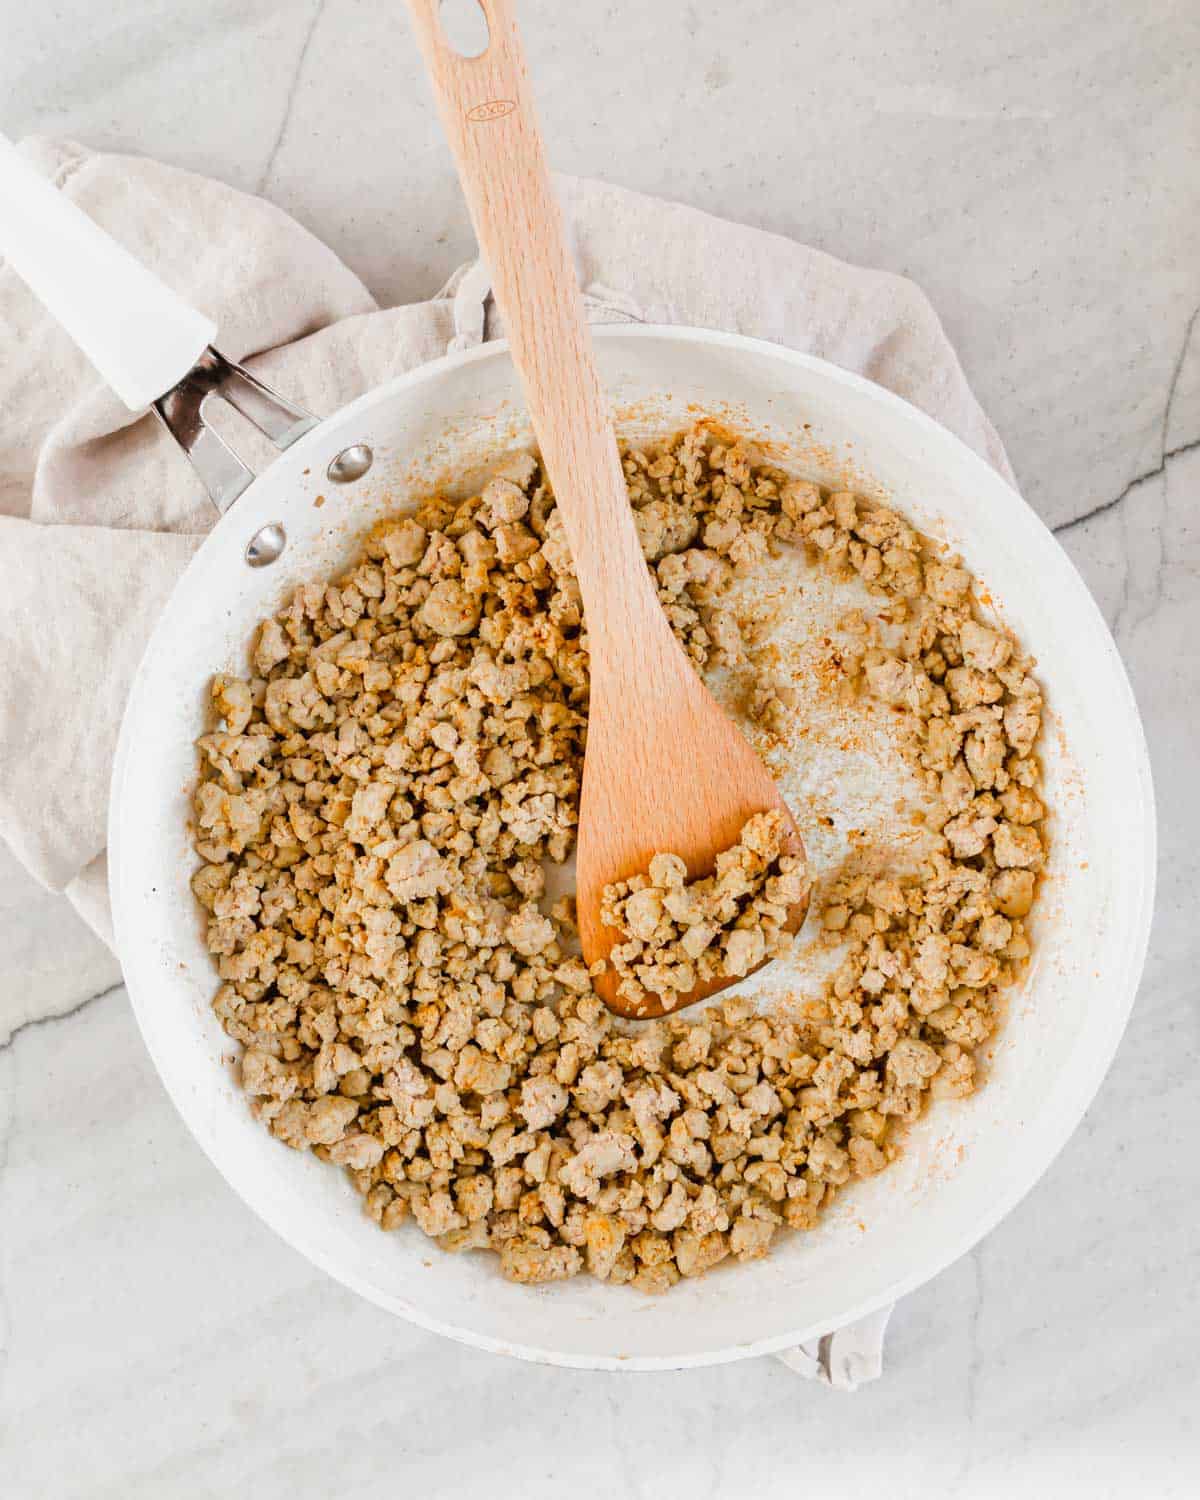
[968, 1162]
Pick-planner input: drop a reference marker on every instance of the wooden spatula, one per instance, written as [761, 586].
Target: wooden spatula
[665, 770]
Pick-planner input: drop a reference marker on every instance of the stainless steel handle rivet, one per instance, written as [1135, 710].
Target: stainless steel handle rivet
[266, 545]
[350, 464]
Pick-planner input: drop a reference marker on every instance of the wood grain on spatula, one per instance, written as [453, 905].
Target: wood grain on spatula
[665, 770]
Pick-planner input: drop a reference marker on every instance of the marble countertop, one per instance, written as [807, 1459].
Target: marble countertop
[1032, 166]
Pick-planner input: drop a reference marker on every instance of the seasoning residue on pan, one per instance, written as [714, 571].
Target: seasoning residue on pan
[376, 807]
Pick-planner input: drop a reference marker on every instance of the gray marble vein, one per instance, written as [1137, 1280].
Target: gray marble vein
[285, 119]
[50, 962]
[1033, 167]
[1165, 453]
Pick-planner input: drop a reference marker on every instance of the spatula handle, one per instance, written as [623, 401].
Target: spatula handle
[488, 113]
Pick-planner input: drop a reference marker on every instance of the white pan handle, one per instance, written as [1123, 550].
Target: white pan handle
[141, 337]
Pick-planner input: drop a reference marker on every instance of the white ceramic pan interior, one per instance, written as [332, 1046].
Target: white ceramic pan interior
[967, 1162]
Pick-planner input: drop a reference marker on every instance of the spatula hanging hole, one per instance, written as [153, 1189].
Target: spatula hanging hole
[465, 27]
